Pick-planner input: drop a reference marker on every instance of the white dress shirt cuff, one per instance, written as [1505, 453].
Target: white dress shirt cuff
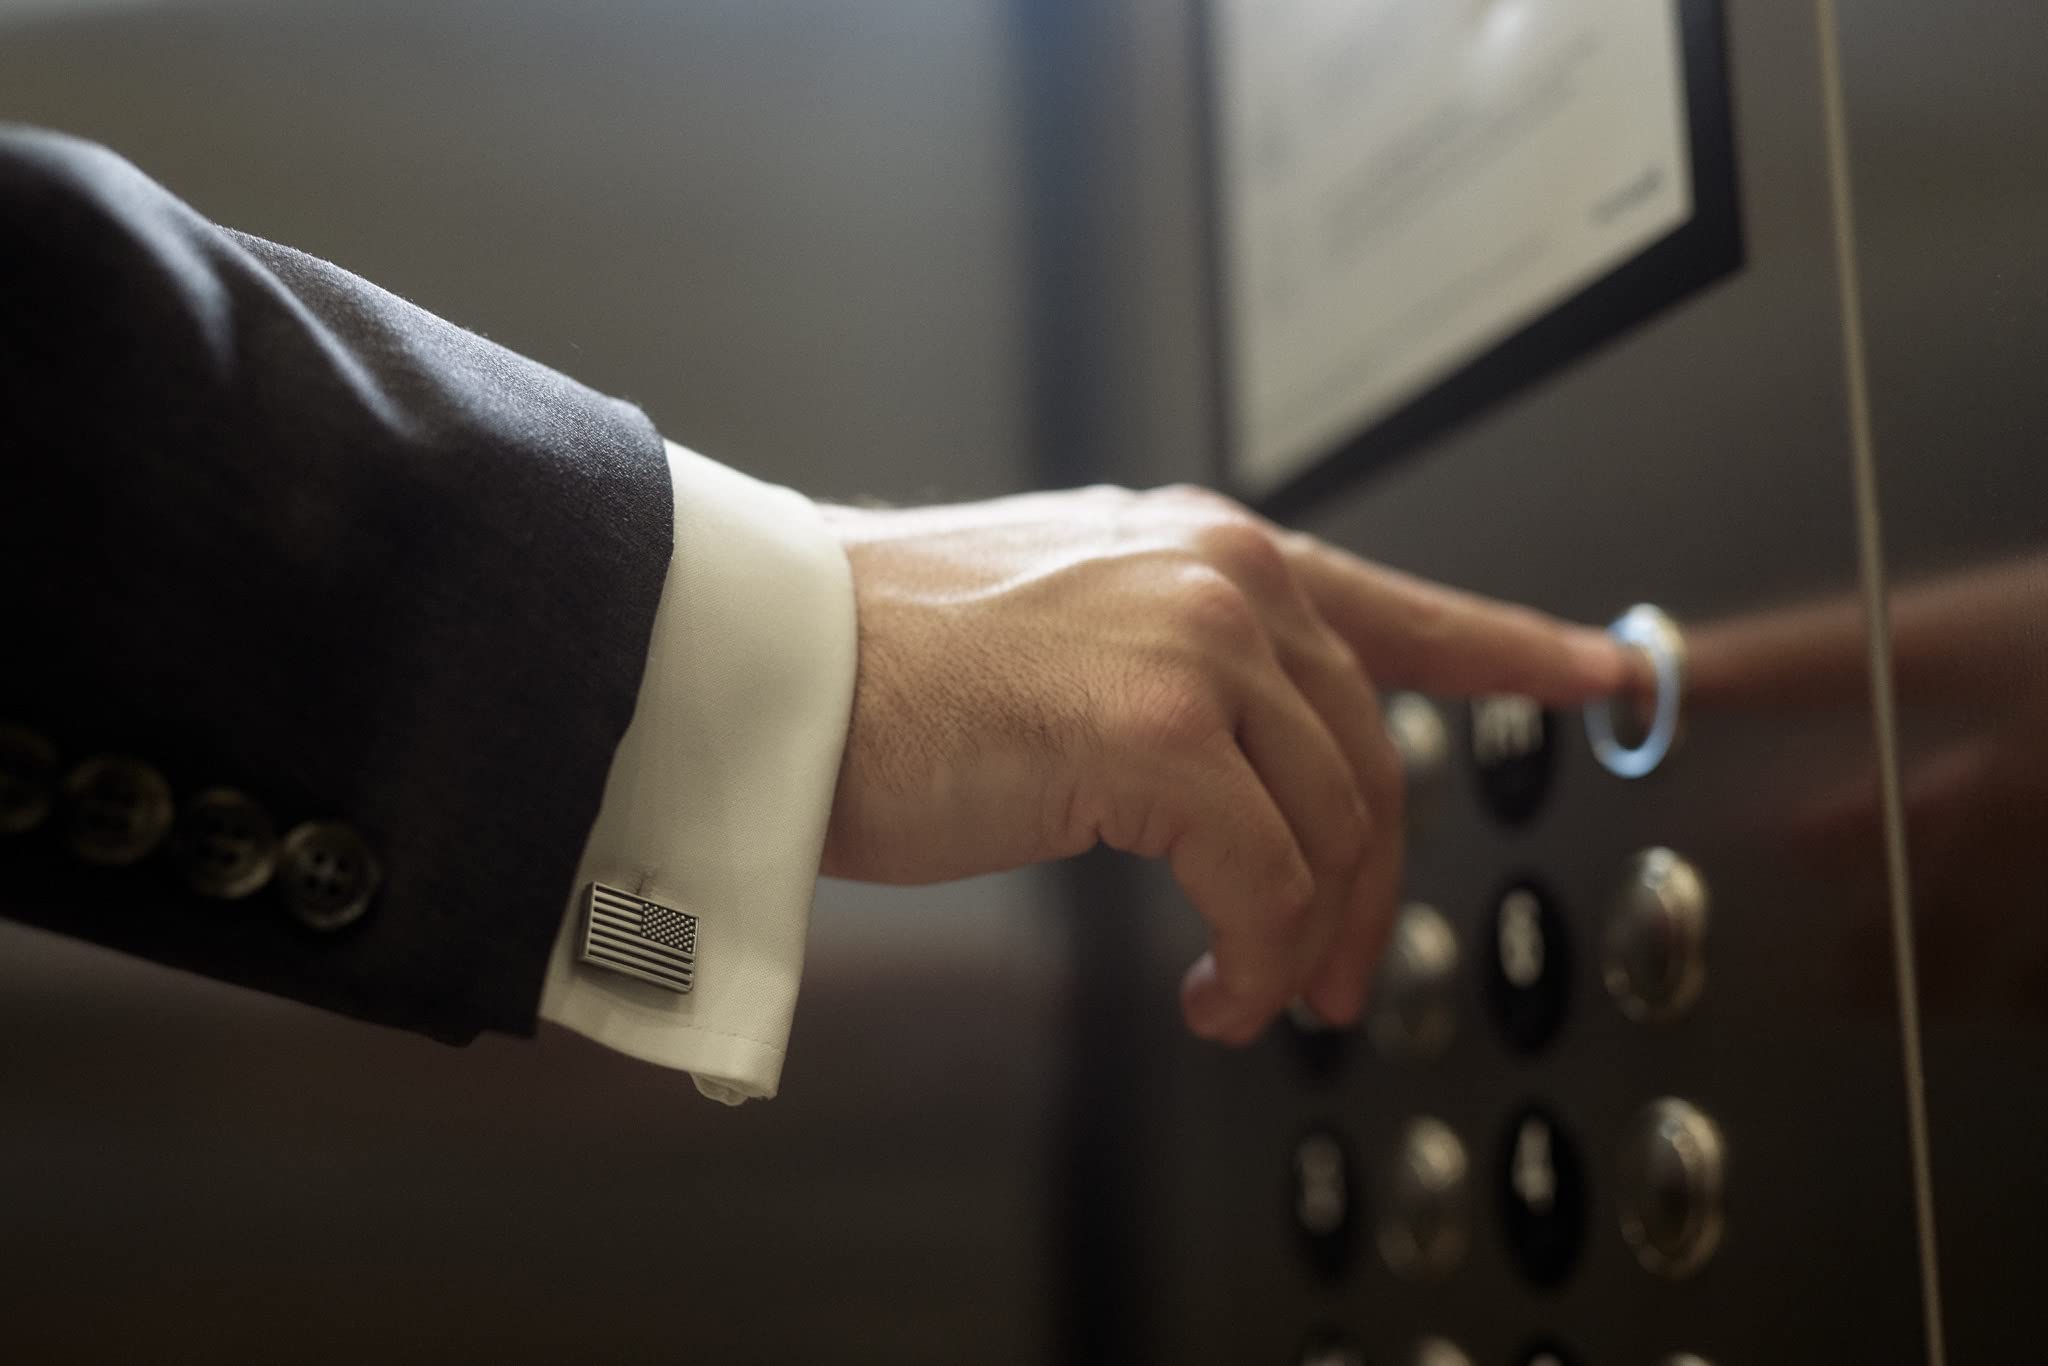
[719, 793]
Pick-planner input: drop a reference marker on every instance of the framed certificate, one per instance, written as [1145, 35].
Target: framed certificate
[1420, 206]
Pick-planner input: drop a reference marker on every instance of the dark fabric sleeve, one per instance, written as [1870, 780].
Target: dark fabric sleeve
[268, 527]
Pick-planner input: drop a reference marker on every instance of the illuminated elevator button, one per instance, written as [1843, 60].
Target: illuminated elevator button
[1654, 949]
[1415, 996]
[1511, 752]
[1323, 1204]
[1527, 960]
[1668, 1187]
[1425, 1203]
[1649, 630]
[1542, 1196]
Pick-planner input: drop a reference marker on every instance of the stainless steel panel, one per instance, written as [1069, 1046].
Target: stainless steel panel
[1701, 463]
[1948, 121]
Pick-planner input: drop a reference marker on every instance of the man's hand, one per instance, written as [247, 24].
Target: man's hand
[1169, 675]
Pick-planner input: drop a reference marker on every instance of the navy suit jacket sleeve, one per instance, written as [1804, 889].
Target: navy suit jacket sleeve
[369, 594]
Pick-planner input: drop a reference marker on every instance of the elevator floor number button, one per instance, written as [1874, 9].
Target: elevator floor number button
[1512, 752]
[1528, 964]
[1542, 1196]
[1323, 1200]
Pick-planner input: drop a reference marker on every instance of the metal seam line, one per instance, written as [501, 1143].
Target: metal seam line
[1870, 552]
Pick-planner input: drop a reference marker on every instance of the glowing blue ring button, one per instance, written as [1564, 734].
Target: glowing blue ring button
[1649, 630]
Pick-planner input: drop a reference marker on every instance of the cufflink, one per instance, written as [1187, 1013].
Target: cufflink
[638, 937]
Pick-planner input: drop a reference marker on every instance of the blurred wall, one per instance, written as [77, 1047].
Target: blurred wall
[792, 233]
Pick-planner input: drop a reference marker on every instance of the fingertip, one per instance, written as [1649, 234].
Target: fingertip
[1602, 664]
[1204, 1005]
[1249, 1032]
[1212, 1012]
[1338, 1003]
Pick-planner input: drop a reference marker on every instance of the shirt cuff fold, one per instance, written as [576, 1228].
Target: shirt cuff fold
[720, 790]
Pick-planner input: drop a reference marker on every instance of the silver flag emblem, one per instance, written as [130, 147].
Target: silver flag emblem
[640, 938]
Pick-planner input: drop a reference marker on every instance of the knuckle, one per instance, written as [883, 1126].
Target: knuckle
[1333, 655]
[1353, 840]
[1195, 496]
[1213, 609]
[1386, 780]
[1244, 551]
[1324, 661]
[1113, 495]
[1296, 545]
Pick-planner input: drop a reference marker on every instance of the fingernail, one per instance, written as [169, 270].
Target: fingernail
[1208, 1006]
[1335, 1006]
[1209, 1012]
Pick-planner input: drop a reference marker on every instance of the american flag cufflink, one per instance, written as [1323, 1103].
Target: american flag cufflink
[641, 938]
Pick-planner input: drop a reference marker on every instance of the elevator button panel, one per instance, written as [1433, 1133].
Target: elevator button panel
[1512, 754]
[1527, 964]
[1542, 1189]
[1668, 1185]
[1653, 953]
[1415, 994]
[1424, 1203]
[1518, 950]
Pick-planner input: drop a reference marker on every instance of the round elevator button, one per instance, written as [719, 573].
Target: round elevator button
[1542, 1189]
[1424, 1202]
[1528, 964]
[1668, 1187]
[1653, 954]
[1511, 752]
[119, 810]
[1322, 1202]
[1415, 995]
[1656, 636]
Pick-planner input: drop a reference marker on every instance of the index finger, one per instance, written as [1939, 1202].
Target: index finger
[1411, 633]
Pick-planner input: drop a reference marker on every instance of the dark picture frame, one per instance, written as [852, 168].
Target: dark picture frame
[1696, 253]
